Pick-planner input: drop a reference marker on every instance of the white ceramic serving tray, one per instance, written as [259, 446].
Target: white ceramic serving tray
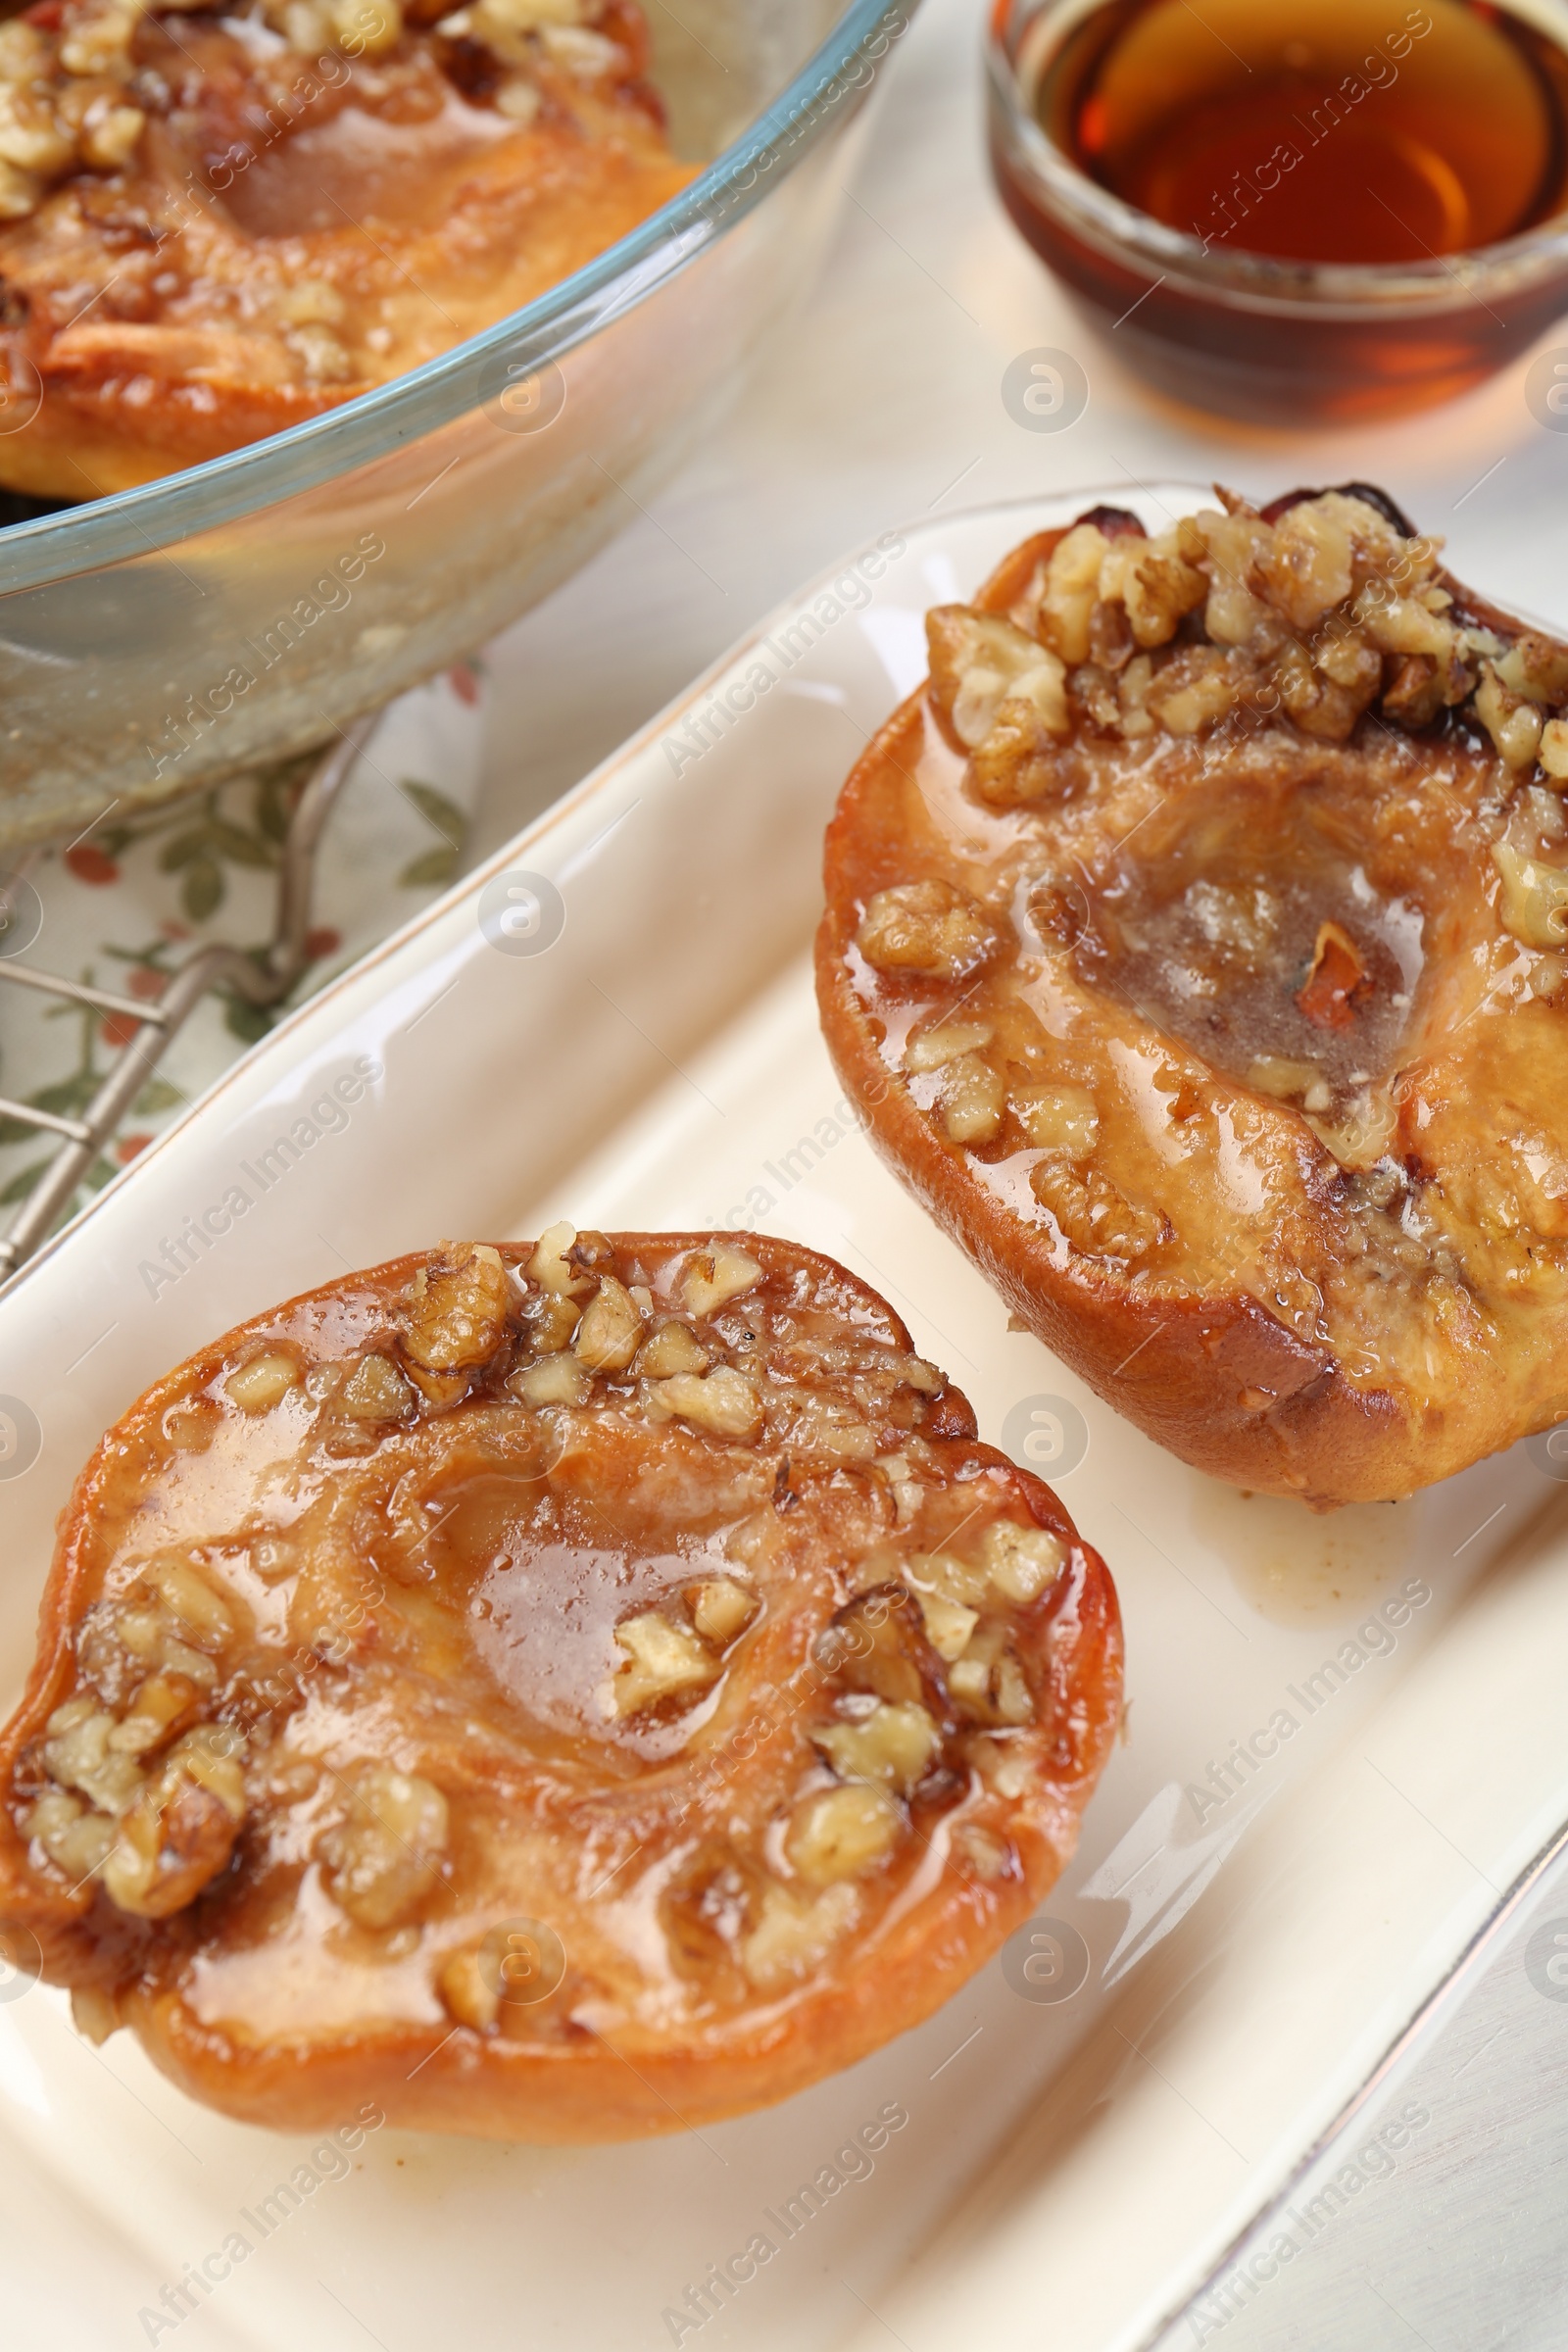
[1346, 1735]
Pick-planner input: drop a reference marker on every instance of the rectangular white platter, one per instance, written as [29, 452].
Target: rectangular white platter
[1069, 2169]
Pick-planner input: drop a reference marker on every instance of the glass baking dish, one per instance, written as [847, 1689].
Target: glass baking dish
[165, 638]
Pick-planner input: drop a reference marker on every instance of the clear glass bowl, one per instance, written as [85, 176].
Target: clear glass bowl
[165, 638]
[1243, 333]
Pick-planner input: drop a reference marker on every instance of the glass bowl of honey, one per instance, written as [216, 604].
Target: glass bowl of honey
[1293, 208]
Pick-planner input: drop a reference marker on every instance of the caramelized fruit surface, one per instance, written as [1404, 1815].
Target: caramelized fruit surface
[217, 220]
[1197, 945]
[564, 1692]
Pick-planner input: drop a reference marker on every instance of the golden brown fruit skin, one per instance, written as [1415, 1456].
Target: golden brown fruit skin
[1155, 1138]
[289, 229]
[412, 1615]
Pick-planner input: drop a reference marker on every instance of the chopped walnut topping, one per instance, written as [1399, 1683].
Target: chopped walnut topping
[1071, 591]
[471, 1992]
[934, 1049]
[947, 1623]
[711, 1278]
[1511, 719]
[1555, 749]
[722, 1608]
[124, 1641]
[1056, 1118]
[987, 1680]
[205, 1617]
[892, 1744]
[809, 1423]
[322, 358]
[843, 1833]
[31, 136]
[357, 28]
[555, 1380]
[1093, 1214]
[1305, 568]
[1195, 688]
[180, 1830]
[77, 1754]
[62, 103]
[988, 1856]
[973, 1098]
[1155, 583]
[1401, 624]
[1414, 696]
[723, 1401]
[508, 27]
[262, 1383]
[794, 1934]
[1317, 615]
[931, 929]
[109, 134]
[1021, 1561]
[553, 1266]
[981, 664]
[518, 98]
[1286, 1081]
[383, 1860]
[457, 1317]
[611, 1328]
[950, 1574]
[1535, 897]
[663, 1658]
[549, 1319]
[74, 1840]
[164, 1705]
[579, 51]
[673, 1348]
[374, 1390]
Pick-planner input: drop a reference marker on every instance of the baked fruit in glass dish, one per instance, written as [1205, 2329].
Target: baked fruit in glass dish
[219, 220]
[562, 1692]
[1197, 948]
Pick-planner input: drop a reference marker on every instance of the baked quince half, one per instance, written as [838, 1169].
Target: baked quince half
[1197, 948]
[562, 1692]
[220, 218]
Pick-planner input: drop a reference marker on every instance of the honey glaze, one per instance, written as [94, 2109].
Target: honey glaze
[366, 165]
[1318, 130]
[1297, 1570]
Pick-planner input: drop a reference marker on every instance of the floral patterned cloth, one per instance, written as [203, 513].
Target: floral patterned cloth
[128, 901]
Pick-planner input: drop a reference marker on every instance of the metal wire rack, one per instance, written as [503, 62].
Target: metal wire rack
[264, 979]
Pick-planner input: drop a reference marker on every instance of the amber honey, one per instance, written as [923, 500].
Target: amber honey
[1311, 136]
[1319, 130]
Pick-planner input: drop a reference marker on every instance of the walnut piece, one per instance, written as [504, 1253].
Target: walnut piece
[383, 1860]
[931, 929]
[892, 1744]
[661, 1659]
[180, 1830]
[612, 1329]
[711, 1278]
[456, 1318]
[843, 1832]
[723, 1401]
[262, 1383]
